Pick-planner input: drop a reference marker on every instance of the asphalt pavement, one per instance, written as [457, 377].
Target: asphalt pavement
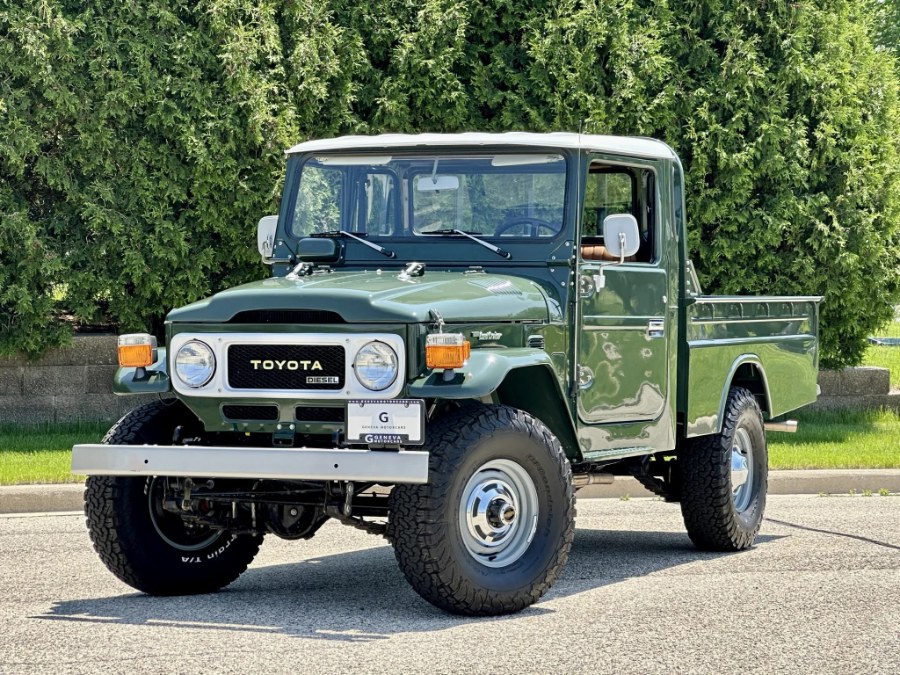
[820, 593]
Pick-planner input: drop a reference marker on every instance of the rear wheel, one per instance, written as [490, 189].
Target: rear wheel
[724, 478]
[145, 545]
[492, 529]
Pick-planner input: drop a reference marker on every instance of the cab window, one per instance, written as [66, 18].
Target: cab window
[616, 189]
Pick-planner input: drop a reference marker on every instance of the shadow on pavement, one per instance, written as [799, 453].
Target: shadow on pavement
[835, 533]
[362, 596]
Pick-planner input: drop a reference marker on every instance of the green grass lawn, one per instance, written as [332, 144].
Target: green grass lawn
[886, 357]
[839, 440]
[43, 454]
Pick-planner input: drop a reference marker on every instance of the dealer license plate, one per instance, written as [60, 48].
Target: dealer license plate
[388, 422]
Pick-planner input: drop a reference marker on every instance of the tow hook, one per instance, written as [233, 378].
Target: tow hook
[348, 501]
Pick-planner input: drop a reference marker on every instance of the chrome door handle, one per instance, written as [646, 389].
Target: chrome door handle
[656, 328]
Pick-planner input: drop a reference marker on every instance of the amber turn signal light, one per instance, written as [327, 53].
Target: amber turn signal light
[137, 350]
[446, 350]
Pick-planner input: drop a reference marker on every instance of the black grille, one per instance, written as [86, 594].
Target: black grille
[286, 316]
[319, 414]
[286, 367]
[250, 412]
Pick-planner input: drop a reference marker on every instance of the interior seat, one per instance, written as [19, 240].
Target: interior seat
[599, 252]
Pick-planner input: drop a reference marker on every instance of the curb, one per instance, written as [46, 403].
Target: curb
[41, 498]
[68, 497]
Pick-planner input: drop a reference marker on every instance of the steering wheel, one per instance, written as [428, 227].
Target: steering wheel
[532, 231]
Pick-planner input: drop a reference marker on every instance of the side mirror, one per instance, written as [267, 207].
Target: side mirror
[265, 237]
[621, 236]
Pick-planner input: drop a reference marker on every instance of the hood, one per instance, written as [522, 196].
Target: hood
[381, 297]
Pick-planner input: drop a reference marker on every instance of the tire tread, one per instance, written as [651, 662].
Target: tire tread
[706, 501]
[107, 521]
[424, 557]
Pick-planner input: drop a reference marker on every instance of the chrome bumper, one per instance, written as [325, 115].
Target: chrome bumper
[371, 466]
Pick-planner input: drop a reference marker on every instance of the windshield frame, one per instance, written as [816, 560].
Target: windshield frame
[410, 246]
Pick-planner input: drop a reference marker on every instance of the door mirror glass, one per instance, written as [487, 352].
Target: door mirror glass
[620, 235]
[265, 237]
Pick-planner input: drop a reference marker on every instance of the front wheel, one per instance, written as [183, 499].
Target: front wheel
[724, 478]
[140, 541]
[492, 529]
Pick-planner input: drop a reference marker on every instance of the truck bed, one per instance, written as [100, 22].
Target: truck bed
[768, 344]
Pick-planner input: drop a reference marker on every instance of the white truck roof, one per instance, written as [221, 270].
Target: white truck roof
[620, 145]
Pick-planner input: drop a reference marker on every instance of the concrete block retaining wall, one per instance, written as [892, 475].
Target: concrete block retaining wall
[74, 383]
[864, 388]
[69, 384]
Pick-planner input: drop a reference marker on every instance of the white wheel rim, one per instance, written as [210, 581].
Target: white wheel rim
[741, 470]
[498, 513]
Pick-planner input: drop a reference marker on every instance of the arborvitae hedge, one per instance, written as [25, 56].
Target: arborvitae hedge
[140, 142]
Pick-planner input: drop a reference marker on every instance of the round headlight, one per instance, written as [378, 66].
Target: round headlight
[195, 363]
[376, 366]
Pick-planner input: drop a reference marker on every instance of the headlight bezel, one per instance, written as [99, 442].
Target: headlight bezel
[392, 355]
[212, 368]
[219, 387]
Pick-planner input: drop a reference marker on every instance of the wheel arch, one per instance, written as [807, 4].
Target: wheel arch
[536, 390]
[747, 371]
[521, 378]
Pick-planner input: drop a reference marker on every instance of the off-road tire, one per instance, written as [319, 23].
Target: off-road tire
[713, 523]
[424, 524]
[124, 536]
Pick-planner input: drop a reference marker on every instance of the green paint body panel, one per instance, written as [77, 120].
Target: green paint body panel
[481, 376]
[617, 359]
[154, 381]
[776, 335]
[377, 297]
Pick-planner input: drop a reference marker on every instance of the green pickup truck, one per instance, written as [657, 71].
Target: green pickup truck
[459, 332]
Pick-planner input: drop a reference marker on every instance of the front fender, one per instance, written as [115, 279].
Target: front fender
[483, 373]
[155, 379]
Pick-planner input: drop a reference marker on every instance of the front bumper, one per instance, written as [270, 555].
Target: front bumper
[370, 466]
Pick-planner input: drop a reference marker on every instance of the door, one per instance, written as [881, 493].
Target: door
[622, 359]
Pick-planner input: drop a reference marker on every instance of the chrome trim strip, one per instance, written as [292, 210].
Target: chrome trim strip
[718, 342]
[624, 317]
[733, 320]
[744, 299]
[593, 327]
[405, 466]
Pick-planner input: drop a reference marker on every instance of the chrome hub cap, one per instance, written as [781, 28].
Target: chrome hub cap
[741, 470]
[498, 513]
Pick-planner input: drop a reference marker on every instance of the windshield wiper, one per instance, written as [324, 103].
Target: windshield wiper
[343, 233]
[496, 249]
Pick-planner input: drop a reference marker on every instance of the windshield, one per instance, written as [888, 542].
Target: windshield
[518, 196]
